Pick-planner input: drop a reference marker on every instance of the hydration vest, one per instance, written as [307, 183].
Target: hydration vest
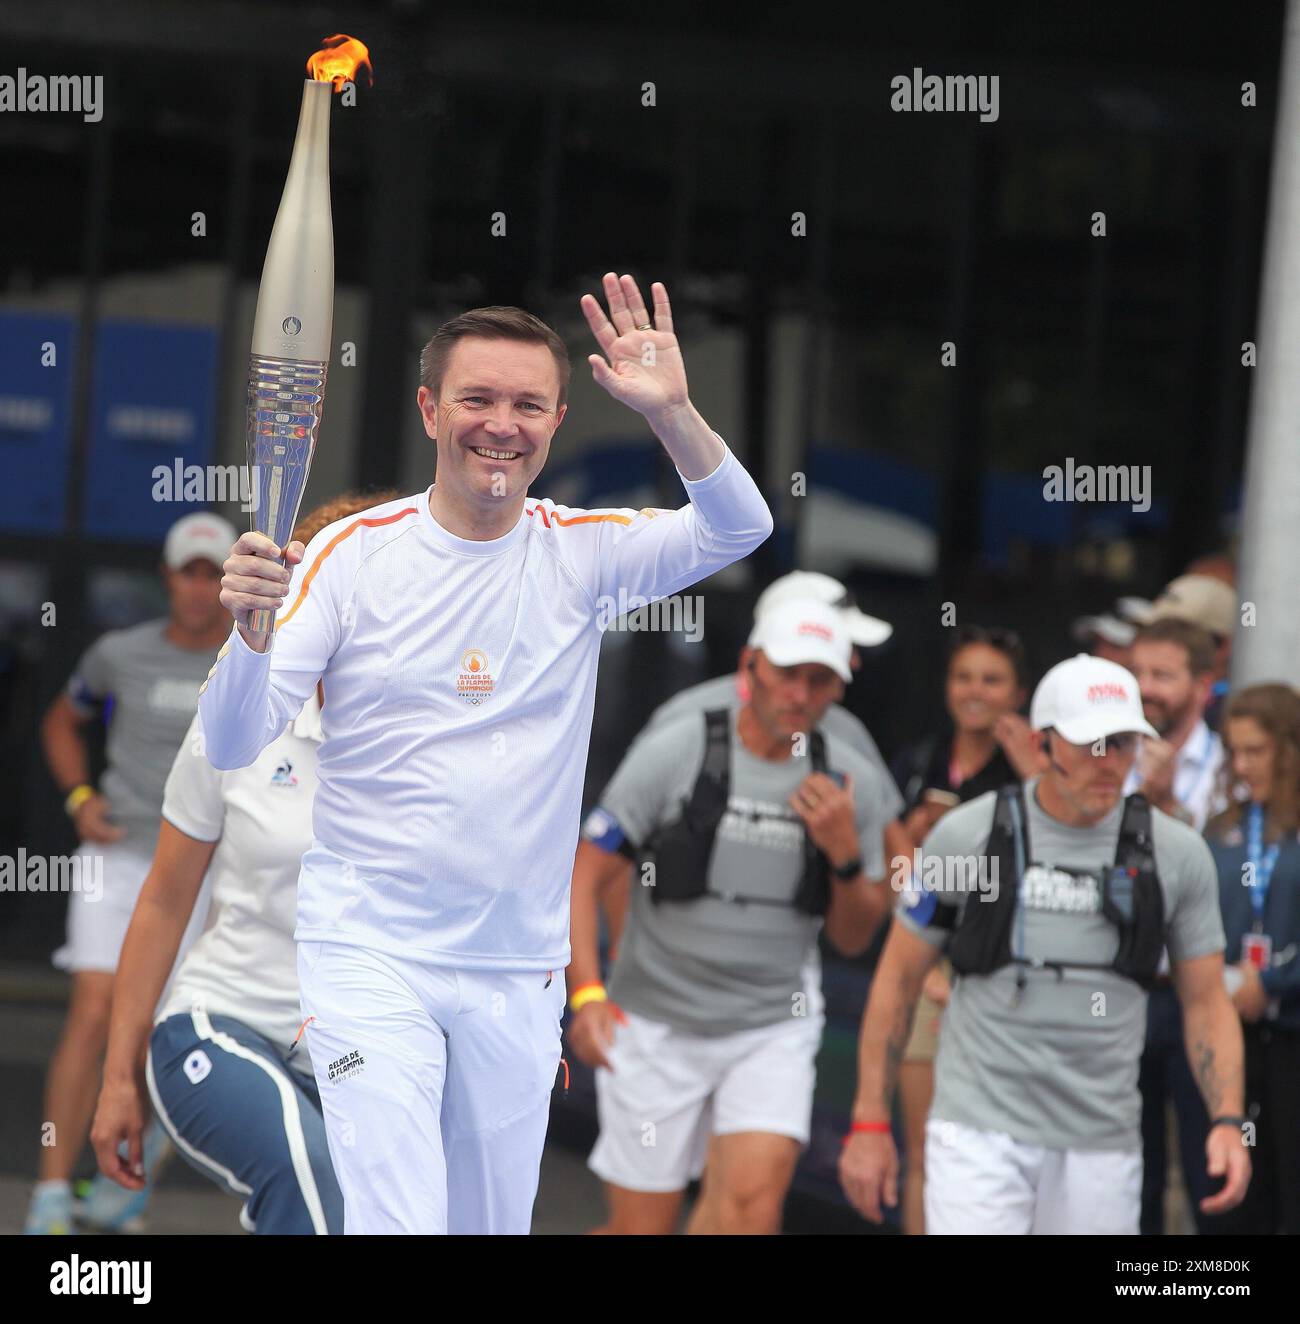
[682, 850]
[1131, 898]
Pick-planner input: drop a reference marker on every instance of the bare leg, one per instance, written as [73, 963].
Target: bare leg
[915, 1090]
[745, 1184]
[72, 1084]
[640, 1213]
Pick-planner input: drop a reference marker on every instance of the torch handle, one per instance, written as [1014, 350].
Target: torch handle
[285, 400]
[262, 621]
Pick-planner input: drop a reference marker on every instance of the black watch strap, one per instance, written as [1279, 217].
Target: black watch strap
[846, 873]
[1227, 1120]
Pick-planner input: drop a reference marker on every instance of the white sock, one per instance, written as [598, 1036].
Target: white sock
[54, 1183]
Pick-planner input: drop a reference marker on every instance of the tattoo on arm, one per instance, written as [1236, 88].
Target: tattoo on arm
[1206, 1070]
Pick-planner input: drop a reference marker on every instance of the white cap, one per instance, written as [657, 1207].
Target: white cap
[801, 585]
[1107, 627]
[1086, 698]
[199, 537]
[1133, 609]
[805, 630]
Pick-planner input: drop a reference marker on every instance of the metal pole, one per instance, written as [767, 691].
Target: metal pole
[1269, 648]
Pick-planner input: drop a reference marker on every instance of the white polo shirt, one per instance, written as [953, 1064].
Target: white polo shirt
[1196, 775]
[243, 965]
[460, 679]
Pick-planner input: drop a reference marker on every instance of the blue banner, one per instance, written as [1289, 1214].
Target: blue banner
[35, 414]
[151, 428]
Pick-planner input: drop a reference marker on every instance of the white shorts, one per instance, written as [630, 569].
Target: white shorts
[983, 1181]
[435, 1086]
[668, 1092]
[97, 923]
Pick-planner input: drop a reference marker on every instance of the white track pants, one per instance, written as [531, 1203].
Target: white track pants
[435, 1086]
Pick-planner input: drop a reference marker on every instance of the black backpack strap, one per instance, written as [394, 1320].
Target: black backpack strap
[1132, 898]
[817, 751]
[981, 940]
[683, 849]
[813, 895]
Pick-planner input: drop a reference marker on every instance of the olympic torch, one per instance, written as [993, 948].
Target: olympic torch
[295, 313]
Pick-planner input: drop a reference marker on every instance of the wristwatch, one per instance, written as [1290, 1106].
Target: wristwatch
[848, 871]
[1235, 1122]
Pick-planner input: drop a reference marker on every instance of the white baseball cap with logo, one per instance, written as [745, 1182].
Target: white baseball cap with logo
[799, 585]
[201, 536]
[1086, 698]
[805, 630]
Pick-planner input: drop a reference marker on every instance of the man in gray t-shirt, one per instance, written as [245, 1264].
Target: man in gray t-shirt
[712, 1020]
[732, 691]
[145, 682]
[1034, 1124]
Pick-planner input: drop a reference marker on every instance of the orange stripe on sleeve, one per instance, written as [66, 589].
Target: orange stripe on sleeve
[329, 547]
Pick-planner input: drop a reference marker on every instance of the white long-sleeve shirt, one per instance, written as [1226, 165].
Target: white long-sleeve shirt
[460, 678]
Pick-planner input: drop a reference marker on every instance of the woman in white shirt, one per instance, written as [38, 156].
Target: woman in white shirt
[225, 1066]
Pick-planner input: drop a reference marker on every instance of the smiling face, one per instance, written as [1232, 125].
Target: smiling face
[981, 687]
[493, 419]
[1172, 697]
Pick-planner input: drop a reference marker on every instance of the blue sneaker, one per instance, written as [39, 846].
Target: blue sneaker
[104, 1206]
[50, 1212]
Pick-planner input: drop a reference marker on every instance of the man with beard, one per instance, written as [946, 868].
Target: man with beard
[1174, 665]
[1173, 661]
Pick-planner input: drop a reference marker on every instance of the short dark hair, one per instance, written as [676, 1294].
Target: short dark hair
[498, 322]
[1006, 642]
[1198, 641]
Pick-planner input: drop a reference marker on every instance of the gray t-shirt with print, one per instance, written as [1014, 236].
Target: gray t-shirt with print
[154, 688]
[1057, 1065]
[710, 966]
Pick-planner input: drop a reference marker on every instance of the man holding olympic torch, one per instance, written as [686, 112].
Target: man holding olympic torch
[457, 634]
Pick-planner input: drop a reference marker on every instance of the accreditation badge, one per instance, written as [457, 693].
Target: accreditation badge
[1257, 950]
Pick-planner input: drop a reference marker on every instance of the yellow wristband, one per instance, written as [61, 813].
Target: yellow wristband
[77, 797]
[587, 993]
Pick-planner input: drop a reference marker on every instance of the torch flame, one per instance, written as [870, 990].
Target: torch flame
[339, 60]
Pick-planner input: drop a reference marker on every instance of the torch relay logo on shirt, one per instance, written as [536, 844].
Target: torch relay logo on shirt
[474, 683]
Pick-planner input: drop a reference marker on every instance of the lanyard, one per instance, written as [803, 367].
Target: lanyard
[1262, 860]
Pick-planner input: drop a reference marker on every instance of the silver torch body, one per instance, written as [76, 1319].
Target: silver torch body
[291, 334]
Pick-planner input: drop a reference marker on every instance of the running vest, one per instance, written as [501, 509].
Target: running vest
[682, 850]
[1131, 898]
